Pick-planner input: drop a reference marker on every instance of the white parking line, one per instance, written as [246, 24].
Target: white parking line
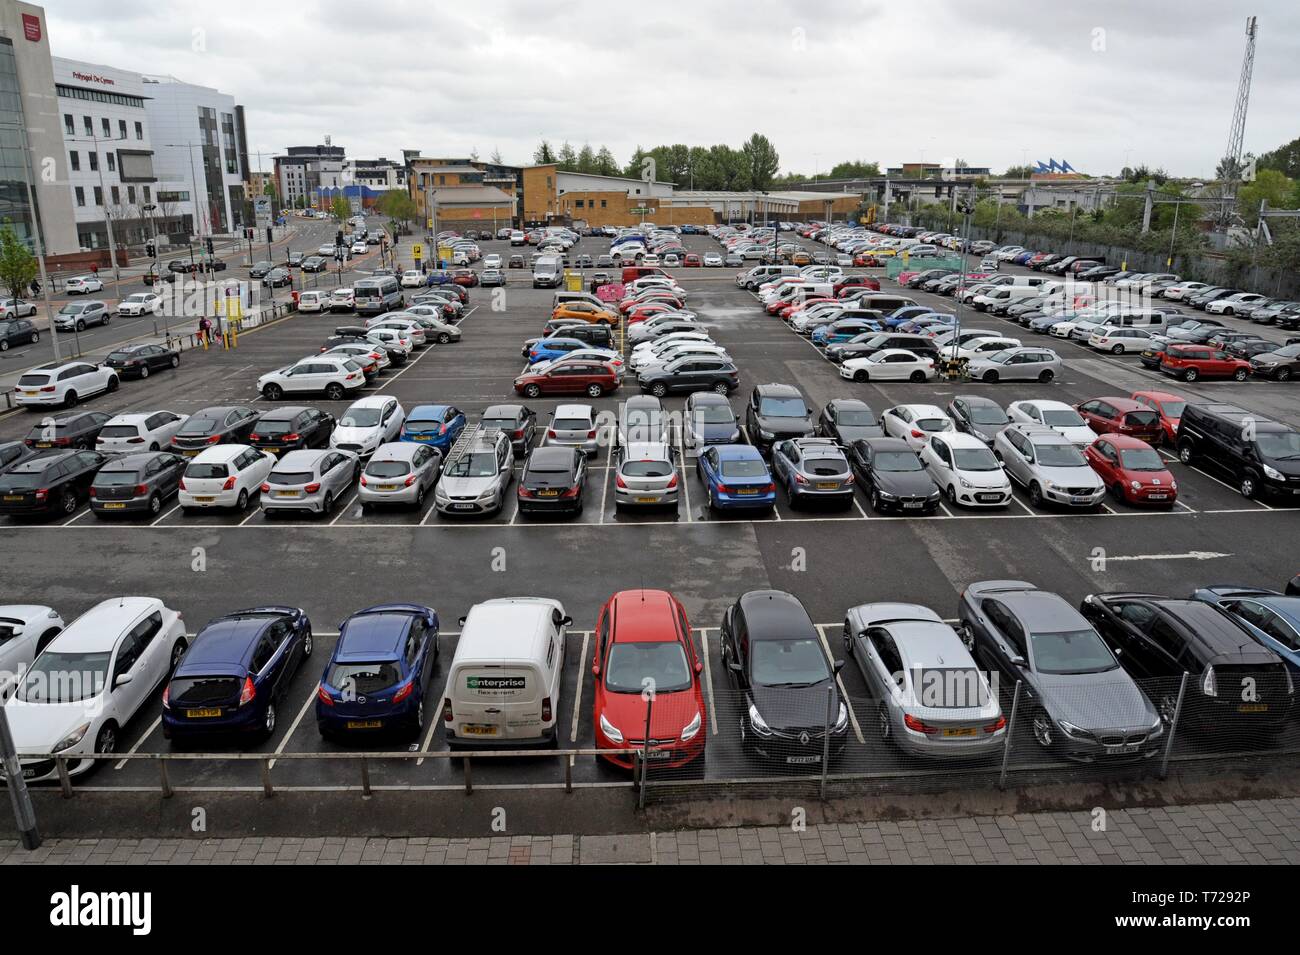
[293, 727]
[686, 491]
[139, 742]
[708, 676]
[865, 517]
[1231, 488]
[76, 517]
[156, 521]
[343, 508]
[844, 694]
[254, 509]
[577, 695]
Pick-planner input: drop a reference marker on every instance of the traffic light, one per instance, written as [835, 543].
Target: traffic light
[149, 250]
[270, 236]
[209, 245]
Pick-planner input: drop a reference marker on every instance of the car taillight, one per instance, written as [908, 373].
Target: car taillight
[769, 488]
[42, 494]
[313, 487]
[995, 727]
[323, 695]
[230, 484]
[800, 479]
[672, 482]
[215, 439]
[94, 492]
[182, 484]
[550, 433]
[519, 433]
[266, 488]
[141, 490]
[167, 696]
[248, 691]
[571, 492]
[918, 434]
[403, 692]
[48, 389]
[446, 710]
[912, 723]
[546, 709]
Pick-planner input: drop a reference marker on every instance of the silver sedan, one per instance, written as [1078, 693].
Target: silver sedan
[313, 480]
[400, 472]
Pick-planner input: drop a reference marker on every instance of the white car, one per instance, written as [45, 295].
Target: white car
[145, 431]
[83, 285]
[224, 476]
[334, 376]
[1117, 341]
[1056, 415]
[17, 308]
[965, 470]
[492, 261]
[407, 327]
[326, 250]
[359, 248]
[712, 260]
[368, 423]
[63, 383]
[658, 345]
[361, 354]
[1183, 290]
[412, 278]
[141, 303]
[342, 300]
[915, 423]
[89, 682]
[312, 301]
[392, 338]
[25, 630]
[695, 349]
[889, 364]
[605, 355]
[983, 347]
[1230, 304]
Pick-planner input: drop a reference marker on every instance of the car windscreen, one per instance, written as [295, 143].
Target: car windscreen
[796, 661]
[974, 459]
[1279, 445]
[896, 461]
[1070, 651]
[475, 464]
[1064, 418]
[69, 677]
[714, 414]
[361, 418]
[1059, 456]
[632, 664]
[782, 408]
[988, 414]
[1141, 459]
[855, 419]
[362, 678]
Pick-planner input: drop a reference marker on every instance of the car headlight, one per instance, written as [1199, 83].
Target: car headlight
[1050, 485]
[440, 494]
[488, 495]
[72, 739]
[842, 719]
[886, 496]
[692, 728]
[611, 731]
[756, 722]
[1135, 485]
[1157, 729]
[1273, 474]
[1209, 686]
[1072, 731]
[965, 483]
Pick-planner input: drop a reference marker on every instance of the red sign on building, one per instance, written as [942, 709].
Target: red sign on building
[32, 27]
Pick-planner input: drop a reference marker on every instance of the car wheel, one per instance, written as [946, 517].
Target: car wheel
[419, 497]
[595, 391]
[307, 644]
[1248, 485]
[1191, 374]
[176, 361]
[68, 502]
[918, 376]
[1186, 452]
[444, 338]
[722, 388]
[268, 721]
[1241, 374]
[334, 391]
[861, 376]
[659, 389]
[1046, 375]
[1035, 494]
[1043, 730]
[81, 325]
[107, 318]
[241, 503]
[144, 371]
[532, 391]
[1117, 350]
[327, 508]
[952, 495]
[419, 720]
[1117, 492]
[106, 741]
[36, 337]
[272, 392]
[1282, 374]
[155, 504]
[876, 504]
[4, 344]
[990, 377]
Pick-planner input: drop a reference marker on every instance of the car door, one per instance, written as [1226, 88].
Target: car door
[1123, 623]
[936, 456]
[1104, 460]
[1020, 466]
[84, 464]
[784, 457]
[122, 701]
[1269, 627]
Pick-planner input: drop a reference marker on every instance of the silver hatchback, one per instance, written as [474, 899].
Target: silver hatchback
[1048, 466]
[646, 475]
[574, 426]
[400, 472]
[313, 480]
[1017, 364]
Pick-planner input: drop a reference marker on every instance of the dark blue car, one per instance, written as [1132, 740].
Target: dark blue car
[736, 476]
[235, 673]
[379, 673]
[1272, 618]
[435, 425]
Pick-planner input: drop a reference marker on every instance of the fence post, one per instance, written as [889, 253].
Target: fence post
[267, 790]
[163, 781]
[645, 751]
[466, 765]
[365, 776]
[826, 736]
[65, 781]
[568, 773]
[1173, 726]
[1006, 742]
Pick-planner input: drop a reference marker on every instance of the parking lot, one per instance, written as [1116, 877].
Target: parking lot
[211, 563]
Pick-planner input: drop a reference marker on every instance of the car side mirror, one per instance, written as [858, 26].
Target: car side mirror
[461, 621]
[1018, 661]
[699, 667]
[122, 680]
[566, 621]
[837, 666]
[595, 670]
[735, 667]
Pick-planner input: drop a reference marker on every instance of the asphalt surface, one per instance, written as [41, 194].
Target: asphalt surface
[831, 560]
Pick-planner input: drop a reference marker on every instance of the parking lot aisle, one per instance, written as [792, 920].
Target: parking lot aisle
[839, 679]
[577, 692]
[708, 676]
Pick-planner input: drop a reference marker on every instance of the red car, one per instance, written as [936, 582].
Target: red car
[861, 281]
[865, 260]
[1190, 362]
[590, 378]
[465, 277]
[649, 310]
[787, 312]
[1132, 470]
[1121, 416]
[692, 261]
[643, 639]
[1169, 407]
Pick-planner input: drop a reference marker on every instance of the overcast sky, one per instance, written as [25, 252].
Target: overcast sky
[1099, 84]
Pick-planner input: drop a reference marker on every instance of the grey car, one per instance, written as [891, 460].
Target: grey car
[313, 480]
[399, 472]
[709, 419]
[136, 483]
[812, 469]
[1017, 364]
[641, 418]
[476, 479]
[977, 415]
[519, 421]
[574, 426]
[933, 700]
[1080, 703]
[848, 420]
[646, 475]
[1048, 466]
[75, 316]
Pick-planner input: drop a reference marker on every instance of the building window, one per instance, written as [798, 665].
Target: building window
[146, 195]
[578, 203]
[112, 161]
[74, 160]
[121, 129]
[108, 128]
[130, 194]
[90, 125]
[99, 196]
[69, 126]
[81, 196]
[116, 194]
[94, 161]
[602, 203]
[139, 130]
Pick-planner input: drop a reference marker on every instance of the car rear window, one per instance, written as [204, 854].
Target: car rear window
[198, 426]
[22, 480]
[1141, 419]
[363, 677]
[571, 424]
[387, 469]
[203, 691]
[744, 468]
[115, 478]
[201, 471]
[647, 468]
[119, 431]
[30, 380]
[290, 478]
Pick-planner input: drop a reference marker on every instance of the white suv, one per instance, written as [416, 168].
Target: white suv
[64, 383]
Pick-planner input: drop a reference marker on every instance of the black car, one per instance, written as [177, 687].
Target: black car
[294, 260]
[313, 263]
[977, 415]
[136, 483]
[848, 420]
[1235, 683]
[554, 481]
[1259, 454]
[1248, 348]
[17, 331]
[775, 412]
[49, 483]
[518, 421]
[139, 361]
[595, 336]
[355, 336]
[67, 429]
[180, 267]
[13, 452]
[893, 477]
[292, 428]
[775, 661]
[224, 424]
[277, 277]
[690, 373]
[259, 269]
[1097, 273]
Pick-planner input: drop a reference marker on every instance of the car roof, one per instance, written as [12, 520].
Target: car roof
[959, 439]
[227, 640]
[646, 451]
[1124, 442]
[775, 615]
[219, 453]
[643, 616]
[847, 404]
[372, 401]
[777, 390]
[552, 455]
[40, 461]
[925, 411]
[737, 452]
[301, 458]
[99, 627]
[283, 412]
[574, 411]
[977, 400]
[368, 634]
[1041, 611]
[131, 461]
[507, 628]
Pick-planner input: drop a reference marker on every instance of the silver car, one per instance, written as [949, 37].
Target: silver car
[642, 419]
[933, 699]
[646, 475]
[1048, 466]
[574, 426]
[313, 480]
[475, 480]
[1017, 364]
[400, 472]
[812, 469]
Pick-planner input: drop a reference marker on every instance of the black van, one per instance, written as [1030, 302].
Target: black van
[1261, 455]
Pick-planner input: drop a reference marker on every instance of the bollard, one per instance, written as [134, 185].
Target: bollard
[365, 776]
[568, 773]
[267, 791]
[465, 764]
[65, 781]
[1006, 742]
[163, 781]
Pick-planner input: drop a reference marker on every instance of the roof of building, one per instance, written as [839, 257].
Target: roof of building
[471, 196]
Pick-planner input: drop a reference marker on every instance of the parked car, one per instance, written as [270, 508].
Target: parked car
[309, 479]
[228, 424]
[136, 483]
[846, 420]
[63, 383]
[1048, 466]
[1259, 455]
[225, 476]
[291, 428]
[709, 419]
[1280, 364]
[1121, 416]
[141, 303]
[16, 331]
[68, 429]
[49, 483]
[915, 423]
[140, 361]
[964, 468]
[1017, 364]
[1273, 619]
[368, 423]
[735, 476]
[1054, 414]
[645, 474]
[476, 481]
[1192, 362]
[554, 480]
[399, 473]
[812, 469]
[334, 376]
[1132, 470]
[978, 416]
[575, 378]
[893, 476]
[776, 412]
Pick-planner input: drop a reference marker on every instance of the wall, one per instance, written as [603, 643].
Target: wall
[472, 217]
[540, 192]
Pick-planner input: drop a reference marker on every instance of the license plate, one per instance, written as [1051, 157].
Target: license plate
[658, 754]
[1253, 708]
[286, 493]
[827, 485]
[746, 490]
[548, 493]
[204, 713]
[1122, 748]
[114, 506]
[1080, 499]
[363, 724]
[204, 500]
[190, 453]
[44, 444]
[988, 497]
[913, 505]
[462, 507]
[1157, 497]
[13, 497]
[647, 500]
[272, 450]
[960, 731]
[31, 394]
[422, 437]
[386, 487]
[799, 760]
[478, 729]
[29, 774]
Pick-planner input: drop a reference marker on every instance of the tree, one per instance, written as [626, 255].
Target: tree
[341, 208]
[854, 169]
[17, 264]
[633, 168]
[760, 160]
[1018, 172]
[606, 164]
[495, 158]
[397, 206]
[567, 159]
[1285, 159]
[1270, 185]
[543, 155]
[586, 159]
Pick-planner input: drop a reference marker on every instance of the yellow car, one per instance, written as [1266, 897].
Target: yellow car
[884, 253]
[801, 258]
[584, 312]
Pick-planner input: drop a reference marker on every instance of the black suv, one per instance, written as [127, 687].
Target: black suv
[69, 429]
[49, 483]
[292, 428]
[776, 412]
[1234, 682]
[597, 336]
[1261, 455]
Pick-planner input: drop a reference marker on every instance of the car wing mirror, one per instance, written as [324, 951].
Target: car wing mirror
[735, 667]
[122, 680]
[699, 667]
[461, 621]
[838, 666]
[1018, 661]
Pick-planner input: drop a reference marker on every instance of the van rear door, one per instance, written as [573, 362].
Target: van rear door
[497, 702]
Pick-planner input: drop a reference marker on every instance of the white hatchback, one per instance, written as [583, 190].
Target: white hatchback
[224, 476]
[150, 430]
[336, 376]
[368, 423]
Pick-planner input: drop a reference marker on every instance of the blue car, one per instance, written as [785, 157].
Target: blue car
[1272, 618]
[549, 349]
[379, 674]
[843, 330]
[735, 476]
[437, 277]
[235, 673]
[435, 425]
[905, 314]
[1023, 257]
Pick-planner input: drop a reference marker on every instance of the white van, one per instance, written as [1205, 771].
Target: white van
[548, 271]
[1149, 320]
[503, 688]
[798, 291]
[998, 300]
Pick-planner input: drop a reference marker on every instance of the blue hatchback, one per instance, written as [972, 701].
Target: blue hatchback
[843, 330]
[379, 673]
[435, 425]
[234, 674]
[736, 476]
[1272, 618]
[549, 349]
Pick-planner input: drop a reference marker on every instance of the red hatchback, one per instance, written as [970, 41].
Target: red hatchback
[1121, 416]
[1190, 362]
[862, 281]
[692, 261]
[643, 643]
[1132, 470]
[1169, 407]
[590, 378]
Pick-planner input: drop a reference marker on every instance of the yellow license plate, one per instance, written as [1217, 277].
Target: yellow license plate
[548, 493]
[746, 490]
[423, 437]
[1253, 708]
[114, 506]
[385, 487]
[204, 500]
[204, 713]
[473, 729]
[31, 394]
[190, 452]
[286, 493]
[363, 724]
[44, 444]
[647, 500]
[827, 485]
[960, 731]
[13, 497]
[272, 450]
